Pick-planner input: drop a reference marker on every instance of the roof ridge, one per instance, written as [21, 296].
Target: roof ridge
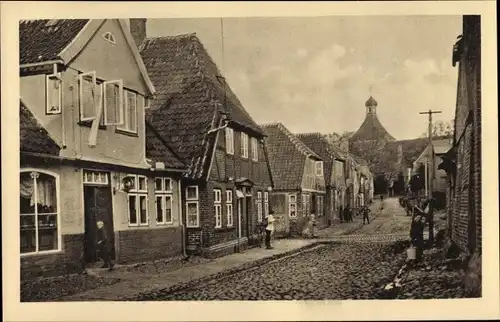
[186, 35]
[299, 145]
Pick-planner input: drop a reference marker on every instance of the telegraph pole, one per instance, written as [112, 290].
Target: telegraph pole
[430, 178]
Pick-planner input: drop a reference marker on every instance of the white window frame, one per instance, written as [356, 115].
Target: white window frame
[255, 149]
[229, 141]
[48, 82]
[84, 118]
[138, 193]
[244, 145]
[229, 208]
[109, 37]
[125, 126]
[164, 193]
[118, 82]
[318, 168]
[91, 180]
[35, 173]
[164, 188]
[192, 201]
[218, 207]
[292, 200]
[259, 206]
[187, 195]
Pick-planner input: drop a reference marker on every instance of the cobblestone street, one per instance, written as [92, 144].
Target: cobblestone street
[354, 266]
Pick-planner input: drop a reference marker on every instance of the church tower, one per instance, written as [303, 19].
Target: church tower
[371, 129]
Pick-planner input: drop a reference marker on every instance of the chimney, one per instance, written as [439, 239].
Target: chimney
[138, 30]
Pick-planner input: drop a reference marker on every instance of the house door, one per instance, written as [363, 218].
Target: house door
[247, 217]
[97, 207]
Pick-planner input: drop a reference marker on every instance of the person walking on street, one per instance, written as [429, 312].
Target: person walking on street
[269, 229]
[103, 246]
[366, 212]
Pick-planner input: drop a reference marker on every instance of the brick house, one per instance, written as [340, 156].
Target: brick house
[463, 161]
[333, 163]
[298, 176]
[83, 150]
[225, 190]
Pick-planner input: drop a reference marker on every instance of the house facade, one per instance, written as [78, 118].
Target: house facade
[226, 188]
[298, 177]
[83, 150]
[333, 163]
[463, 161]
[438, 176]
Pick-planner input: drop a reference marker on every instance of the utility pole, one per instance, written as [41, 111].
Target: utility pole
[430, 170]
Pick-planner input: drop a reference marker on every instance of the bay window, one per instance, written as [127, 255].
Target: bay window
[39, 224]
[138, 201]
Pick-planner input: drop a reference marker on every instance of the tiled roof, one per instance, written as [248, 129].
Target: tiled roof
[190, 97]
[287, 155]
[371, 129]
[39, 42]
[33, 137]
[158, 150]
[320, 145]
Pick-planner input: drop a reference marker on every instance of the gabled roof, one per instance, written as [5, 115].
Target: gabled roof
[320, 145]
[190, 98]
[33, 137]
[158, 150]
[43, 40]
[371, 129]
[287, 156]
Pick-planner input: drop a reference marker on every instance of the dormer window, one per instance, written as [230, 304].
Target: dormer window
[109, 37]
[53, 94]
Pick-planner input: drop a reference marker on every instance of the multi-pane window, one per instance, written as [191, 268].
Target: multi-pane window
[163, 200]
[130, 115]
[218, 207]
[53, 94]
[259, 206]
[255, 149]
[113, 102]
[266, 203]
[319, 168]
[244, 145]
[89, 96]
[38, 212]
[192, 207]
[229, 140]
[95, 178]
[229, 207]
[292, 206]
[305, 204]
[138, 201]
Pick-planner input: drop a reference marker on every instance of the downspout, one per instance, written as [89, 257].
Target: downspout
[181, 222]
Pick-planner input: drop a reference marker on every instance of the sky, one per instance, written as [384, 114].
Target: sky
[314, 74]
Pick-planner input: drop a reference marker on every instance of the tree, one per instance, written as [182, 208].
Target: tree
[440, 128]
[339, 141]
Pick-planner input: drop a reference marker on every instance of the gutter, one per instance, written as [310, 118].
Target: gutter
[181, 221]
[44, 63]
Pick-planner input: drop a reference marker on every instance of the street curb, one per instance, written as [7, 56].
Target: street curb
[150, 294]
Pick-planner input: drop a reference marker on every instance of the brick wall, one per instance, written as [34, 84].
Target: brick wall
[149, 244]
[466, 213]
[67, 262]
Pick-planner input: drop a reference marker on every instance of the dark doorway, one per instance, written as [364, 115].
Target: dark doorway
[98, 206]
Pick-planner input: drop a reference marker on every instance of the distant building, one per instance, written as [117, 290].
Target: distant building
[438, 176]
[298, 177]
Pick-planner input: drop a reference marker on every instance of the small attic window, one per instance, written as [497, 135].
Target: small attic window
[109, 37]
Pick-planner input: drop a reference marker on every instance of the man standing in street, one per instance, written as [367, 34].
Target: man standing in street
[269, 229]
[366, 216]
[104, 247]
